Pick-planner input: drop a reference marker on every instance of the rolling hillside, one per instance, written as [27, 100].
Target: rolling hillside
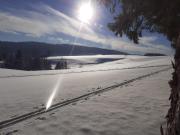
[37, 48]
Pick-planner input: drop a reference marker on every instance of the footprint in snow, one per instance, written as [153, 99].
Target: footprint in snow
[41, 118]
[74, 103]
[36, 107]
[51, 114]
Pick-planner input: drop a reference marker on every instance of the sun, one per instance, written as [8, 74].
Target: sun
[86, 12]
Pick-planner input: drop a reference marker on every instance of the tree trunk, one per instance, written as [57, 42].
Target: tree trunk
[173, 116]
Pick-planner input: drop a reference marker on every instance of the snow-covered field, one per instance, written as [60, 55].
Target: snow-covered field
[124, 62]
[133, 109]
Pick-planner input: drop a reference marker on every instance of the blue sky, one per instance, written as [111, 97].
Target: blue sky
[56, 21]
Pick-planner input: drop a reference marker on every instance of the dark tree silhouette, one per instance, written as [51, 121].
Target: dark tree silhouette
[9, 61]
[46, 65]
[62, 64]
[162, 16]
[26, 62]
[18, 60]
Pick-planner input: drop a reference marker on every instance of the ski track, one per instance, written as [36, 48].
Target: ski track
[43, 110]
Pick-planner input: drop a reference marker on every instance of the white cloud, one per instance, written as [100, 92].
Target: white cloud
[10, 23]
[48, 21]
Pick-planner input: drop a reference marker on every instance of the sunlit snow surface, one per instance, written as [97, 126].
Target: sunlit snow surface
[136, 109]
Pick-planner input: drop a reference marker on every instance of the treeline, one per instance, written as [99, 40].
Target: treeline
[154, 54]
[62, 64]
[20, 61]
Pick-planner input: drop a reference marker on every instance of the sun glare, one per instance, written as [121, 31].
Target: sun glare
[53, 94]
[86, 12]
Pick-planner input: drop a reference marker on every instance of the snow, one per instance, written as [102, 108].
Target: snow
[128, 61]
[138, 108]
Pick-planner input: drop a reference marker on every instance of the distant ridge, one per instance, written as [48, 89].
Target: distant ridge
[34, 48]
[154, 54]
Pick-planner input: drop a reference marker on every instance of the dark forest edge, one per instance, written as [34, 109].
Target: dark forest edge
[154, 54]
[33, 55]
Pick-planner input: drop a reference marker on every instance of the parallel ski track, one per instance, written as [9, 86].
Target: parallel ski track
[13, 121]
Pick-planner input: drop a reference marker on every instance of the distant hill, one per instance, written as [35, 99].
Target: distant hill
[46, 49]
[154, 54]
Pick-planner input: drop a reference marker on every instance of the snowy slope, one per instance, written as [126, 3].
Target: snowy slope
[135, 109]
[23, 92]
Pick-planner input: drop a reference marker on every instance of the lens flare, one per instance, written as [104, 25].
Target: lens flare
[52, 96]
[86, 12]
